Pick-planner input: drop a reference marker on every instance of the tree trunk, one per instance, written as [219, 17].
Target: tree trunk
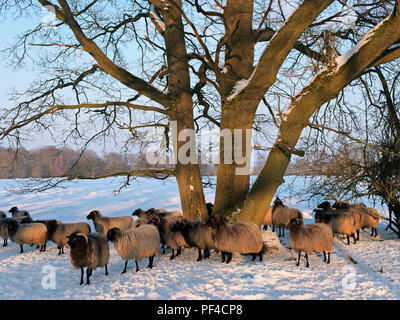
[187, 173]
[232, 188]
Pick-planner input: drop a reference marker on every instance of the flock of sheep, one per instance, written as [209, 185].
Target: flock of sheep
[135, 239]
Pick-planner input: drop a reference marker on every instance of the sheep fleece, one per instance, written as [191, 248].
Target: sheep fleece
[103, 224]
[138, 243]
[174, 240]
[65, 229]
[239, 237]
[281, 216]
[32, 233]
[315, 237]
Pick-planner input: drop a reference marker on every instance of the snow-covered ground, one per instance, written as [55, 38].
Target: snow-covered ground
[27, 275]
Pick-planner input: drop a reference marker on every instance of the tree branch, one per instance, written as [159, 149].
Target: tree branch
[125, 77]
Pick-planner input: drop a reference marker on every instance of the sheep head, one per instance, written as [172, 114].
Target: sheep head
[77, 239]
[324, 205]
[178, 226]
[210, 207]
[278, 202]
[13, 210]
[113, 233]
[294, 224]
[93, 215]
[12, 226]
[156, 220]
[138, 212]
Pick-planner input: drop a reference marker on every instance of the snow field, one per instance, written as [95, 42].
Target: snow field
[25, 276]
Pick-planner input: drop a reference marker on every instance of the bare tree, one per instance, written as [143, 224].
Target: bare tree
[369, 165]
[199, 63]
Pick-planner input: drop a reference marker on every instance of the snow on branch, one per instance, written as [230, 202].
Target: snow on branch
[156, 18]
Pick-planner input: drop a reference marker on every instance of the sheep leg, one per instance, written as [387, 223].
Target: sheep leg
[273, 228]
[324, 256]
[298, 260]
[223, 256]
[163, 248]
[82, 272]
[329, 258]
[106, 270]
[22, 248]
[283, 232]
[358, 234]
[279, 234]
[137, 266]
[151, 259]
[348, 240]
[4, 242]
[126, 264]
[260, 255]
[62, 249]
[206, 253]
[59, 250]
[178, 251]
[172, 255]
[354, 237]
[200, 257]
[254, 256]
[307, 265]
[265, 227]
[376, 232]
[229, 257]
[88, 274]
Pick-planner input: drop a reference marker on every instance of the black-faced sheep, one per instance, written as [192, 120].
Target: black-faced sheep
[341, 223]
[88, 250]
[139, 243]
[197, 234]
[356, 212]
[314, 237]
[4, 228]
[174, 240]
[18, 213]
[58, 232]
[238, 237]
[369, 217]
[210, 208]
[281, 215]
[103, 224]
[2, 215]
[31, 233]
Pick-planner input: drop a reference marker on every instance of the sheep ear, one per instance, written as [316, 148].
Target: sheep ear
[80, 234]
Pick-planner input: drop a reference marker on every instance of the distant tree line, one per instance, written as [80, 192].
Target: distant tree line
[50, 161]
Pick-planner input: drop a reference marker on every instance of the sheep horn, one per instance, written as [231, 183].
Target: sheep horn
[83, 235]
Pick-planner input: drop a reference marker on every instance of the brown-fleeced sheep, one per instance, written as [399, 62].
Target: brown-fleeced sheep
[88, 250]
[103, 224]
[281, 215]
[136, 244]
[309, 238]
[238, 237]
